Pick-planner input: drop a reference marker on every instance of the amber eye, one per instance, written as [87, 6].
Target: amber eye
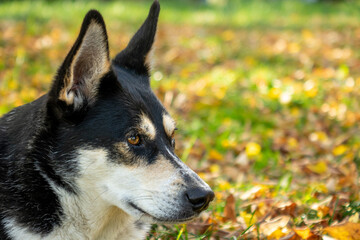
[134, 140]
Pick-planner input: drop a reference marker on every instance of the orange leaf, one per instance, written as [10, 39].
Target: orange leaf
[304, 233]
[291, 236]
[215, 155]
[347, 231]
[229, 210]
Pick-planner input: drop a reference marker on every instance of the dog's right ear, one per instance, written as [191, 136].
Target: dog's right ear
[76, 85]
[135, 56]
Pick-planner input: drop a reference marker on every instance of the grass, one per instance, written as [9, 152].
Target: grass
[265, 94]
[239, 14]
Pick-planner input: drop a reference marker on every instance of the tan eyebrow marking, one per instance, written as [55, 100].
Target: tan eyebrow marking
[169, 124]
[147, 127]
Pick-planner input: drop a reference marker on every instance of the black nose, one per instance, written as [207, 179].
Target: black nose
[199, 198]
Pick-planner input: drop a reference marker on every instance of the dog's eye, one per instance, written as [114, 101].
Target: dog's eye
[134, 140]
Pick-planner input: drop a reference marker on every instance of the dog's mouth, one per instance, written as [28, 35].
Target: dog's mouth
[162, 220]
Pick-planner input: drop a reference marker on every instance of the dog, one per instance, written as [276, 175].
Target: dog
[94, 157]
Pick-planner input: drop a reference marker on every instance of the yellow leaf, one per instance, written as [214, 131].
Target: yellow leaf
[319, 187]
[304, 233]
[294, 47]
[318, 136]
[227, 122]
[310, 88]
[311, 92]
[215, 155]
[347, 231]
[340, 150]
[250, 60]
[323, 211]
[252, 149]
[228, 35]
[224, 185]
[292, 142]
[214, 168]
[307, 34]
[249, 218]
[274, 93]
[13, 84]
[228, 143]
[320, 167]
[279, 233]
[219, 92]
[295, 112]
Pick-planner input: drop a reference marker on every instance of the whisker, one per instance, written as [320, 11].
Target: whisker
[141, 198]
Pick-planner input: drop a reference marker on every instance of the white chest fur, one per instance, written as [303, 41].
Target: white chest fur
[83, 223]
[88, 217]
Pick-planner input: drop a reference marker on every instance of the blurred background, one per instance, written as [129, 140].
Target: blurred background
[265, 94]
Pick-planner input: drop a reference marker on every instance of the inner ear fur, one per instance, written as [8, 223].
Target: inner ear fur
[88, 61]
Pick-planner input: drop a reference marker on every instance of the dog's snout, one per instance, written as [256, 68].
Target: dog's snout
[199, 198]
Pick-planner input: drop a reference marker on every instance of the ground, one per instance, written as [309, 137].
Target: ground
[265, 94]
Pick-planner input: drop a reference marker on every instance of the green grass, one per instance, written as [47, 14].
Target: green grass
[240, 14]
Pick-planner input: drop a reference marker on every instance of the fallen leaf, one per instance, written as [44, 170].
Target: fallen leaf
[252, 149]
[340, 150]
[319, 168]
[303, 232]
[251, 193]
[224, 185]
[347, 231]
[242, 160]
[276, 227]
[286, 208]
[279, 233]
[214, 168]
[198, 227]
[229, 210]
[248, 218]
[291, 236]
[215, 155]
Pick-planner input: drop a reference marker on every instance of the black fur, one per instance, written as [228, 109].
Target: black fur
[25, 145]
[133, 57]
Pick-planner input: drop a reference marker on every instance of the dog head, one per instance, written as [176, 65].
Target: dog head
[120, 135]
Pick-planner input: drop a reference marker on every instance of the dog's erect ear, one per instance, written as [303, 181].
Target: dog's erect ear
[78, 78]
[134, 56]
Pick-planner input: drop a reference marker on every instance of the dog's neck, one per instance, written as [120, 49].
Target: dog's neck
[88, 217]
[85, 214]
[85, 217]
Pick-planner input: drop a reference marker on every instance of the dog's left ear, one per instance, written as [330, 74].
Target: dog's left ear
[78, 79]
[135, 56]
